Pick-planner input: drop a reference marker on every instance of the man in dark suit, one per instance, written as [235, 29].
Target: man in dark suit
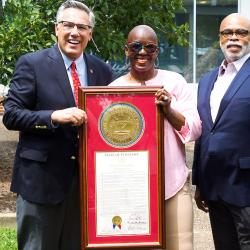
[42, 106]
[221, 168]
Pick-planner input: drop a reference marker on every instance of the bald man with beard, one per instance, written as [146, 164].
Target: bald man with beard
[221, 168]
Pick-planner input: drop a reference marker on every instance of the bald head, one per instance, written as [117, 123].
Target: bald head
[235, 20]
[142, 31]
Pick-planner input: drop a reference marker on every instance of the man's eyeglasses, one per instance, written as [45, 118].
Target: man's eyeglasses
[69, 26]
[136, 47]
[228, 33]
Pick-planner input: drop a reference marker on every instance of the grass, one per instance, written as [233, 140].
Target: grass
[8, 239]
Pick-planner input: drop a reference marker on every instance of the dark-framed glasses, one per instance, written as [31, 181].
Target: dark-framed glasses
[228, 33]
[136, 47]
[69, 26]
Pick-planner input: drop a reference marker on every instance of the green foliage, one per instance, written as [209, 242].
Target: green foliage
[23, 29]
[28, 25]
[115, 18]
[8, 239]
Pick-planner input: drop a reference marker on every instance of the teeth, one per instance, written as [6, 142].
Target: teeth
[74, 42]
[141, 60]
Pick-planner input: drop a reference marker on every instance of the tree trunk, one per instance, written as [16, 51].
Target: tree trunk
[1, 9]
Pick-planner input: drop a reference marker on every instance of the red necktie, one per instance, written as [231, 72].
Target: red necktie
[76, 81]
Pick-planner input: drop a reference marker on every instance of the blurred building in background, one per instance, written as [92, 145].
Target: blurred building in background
[203, 54]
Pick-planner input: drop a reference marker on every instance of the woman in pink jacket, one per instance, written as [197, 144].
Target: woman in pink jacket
[182, 124]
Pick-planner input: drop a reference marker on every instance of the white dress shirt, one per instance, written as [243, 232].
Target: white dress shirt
[226, 74]
[81, 69]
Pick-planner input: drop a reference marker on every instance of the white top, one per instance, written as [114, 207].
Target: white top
[227, 72]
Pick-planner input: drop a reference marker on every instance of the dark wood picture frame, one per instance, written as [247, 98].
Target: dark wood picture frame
[96, 102]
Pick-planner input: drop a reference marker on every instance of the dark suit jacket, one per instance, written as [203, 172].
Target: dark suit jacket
[221, 167]
[46, 156]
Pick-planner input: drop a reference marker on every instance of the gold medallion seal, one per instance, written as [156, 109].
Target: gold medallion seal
[121, 125]
[117, 220]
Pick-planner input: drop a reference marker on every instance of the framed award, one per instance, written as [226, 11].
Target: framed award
[121, 169]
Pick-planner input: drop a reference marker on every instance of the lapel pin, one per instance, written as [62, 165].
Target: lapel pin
[91, 71]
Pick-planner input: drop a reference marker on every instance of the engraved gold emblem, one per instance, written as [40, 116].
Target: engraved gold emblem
[121, 125]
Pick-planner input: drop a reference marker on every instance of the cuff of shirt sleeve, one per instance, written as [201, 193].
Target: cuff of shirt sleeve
[185, 131]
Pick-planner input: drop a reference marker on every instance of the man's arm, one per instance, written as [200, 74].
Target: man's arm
[21, 104]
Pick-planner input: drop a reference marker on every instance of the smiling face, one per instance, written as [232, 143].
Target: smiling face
[139, 50]
[73, 42]
[236, 46]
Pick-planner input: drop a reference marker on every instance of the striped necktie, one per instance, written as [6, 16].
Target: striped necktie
[76, 81]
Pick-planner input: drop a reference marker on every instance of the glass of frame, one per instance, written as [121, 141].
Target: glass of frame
[121, 169]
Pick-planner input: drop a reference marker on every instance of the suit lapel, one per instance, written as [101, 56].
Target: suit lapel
[233, 88]
[91, 76]
[58, 67]
[207, 89]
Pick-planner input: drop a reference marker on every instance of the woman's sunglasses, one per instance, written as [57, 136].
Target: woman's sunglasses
[136, 47]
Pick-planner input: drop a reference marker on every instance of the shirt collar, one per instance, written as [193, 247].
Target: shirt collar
[237, 64]
[222, 69]
[68, 61]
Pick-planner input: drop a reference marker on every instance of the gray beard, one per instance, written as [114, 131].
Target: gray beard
[231, 57]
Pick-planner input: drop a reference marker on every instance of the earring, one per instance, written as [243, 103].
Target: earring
[127, 62]
[156, 62]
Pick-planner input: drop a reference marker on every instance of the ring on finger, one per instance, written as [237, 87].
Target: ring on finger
[165, 98]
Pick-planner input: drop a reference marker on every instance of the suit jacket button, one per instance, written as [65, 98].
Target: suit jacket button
[72, 157]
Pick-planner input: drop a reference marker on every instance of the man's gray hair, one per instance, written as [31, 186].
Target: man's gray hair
[76, 5]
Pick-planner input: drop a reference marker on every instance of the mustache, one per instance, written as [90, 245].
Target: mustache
[228, 44]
